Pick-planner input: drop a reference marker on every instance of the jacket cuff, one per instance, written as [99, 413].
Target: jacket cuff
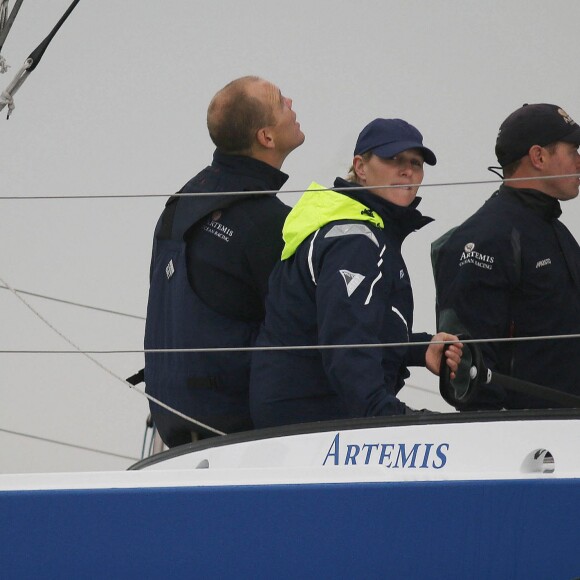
[416, 354]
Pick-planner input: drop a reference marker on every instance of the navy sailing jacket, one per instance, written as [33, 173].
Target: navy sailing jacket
[342, 281]
[513, 270]
[212, 256]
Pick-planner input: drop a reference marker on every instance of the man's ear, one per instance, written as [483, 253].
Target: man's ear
[537, 156]
[265, 138]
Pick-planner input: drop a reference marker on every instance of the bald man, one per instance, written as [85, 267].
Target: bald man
[212, 256]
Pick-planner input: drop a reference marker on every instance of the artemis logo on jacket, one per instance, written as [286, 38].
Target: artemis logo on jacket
[391, 455]
[218, 230]
[469, 256]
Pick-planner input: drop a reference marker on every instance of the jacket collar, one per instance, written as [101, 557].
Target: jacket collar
[540, 203]
[255, 176]
[248, 166]
[404, 219]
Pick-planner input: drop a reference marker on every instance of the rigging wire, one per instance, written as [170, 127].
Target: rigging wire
[77, 350]
[71, 303]
[64, 444]
[87, 354]
[277, 191]
[6, 23]
[108, 311]
[6, 99]
[7, 96]
[293, 347]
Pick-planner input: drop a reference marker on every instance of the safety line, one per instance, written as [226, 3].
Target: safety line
[55, 442]
[87, 354]
[295, 347]
[71, 303]
[277, 191]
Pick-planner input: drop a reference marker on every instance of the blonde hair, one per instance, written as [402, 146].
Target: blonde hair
[351, 175]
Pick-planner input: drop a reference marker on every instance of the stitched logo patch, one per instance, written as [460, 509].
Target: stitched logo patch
[352, 280]
[169, 269]
[566, 117]
[470, 256]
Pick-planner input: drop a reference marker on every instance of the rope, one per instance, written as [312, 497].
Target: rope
[281, 191]
[7, 95]
[408, 385]
[294, 347]
[55, 442]
[87, 354]
[71, 303]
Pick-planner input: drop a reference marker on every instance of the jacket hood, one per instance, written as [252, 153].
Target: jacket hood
[317, 207]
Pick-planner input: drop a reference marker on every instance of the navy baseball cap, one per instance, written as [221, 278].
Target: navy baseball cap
[540, 124]
[387, 137]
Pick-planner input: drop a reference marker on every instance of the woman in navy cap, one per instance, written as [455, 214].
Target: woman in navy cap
[342, 281]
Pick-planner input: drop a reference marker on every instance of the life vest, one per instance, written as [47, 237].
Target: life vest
[210, 387]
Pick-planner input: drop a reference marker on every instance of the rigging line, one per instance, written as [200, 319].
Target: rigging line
[295, 347]
[71, 303]
[55, 442]
[7, 24]
[7, 97]
[87, 354]
[417, 388]
[277, 191]
[36, 54]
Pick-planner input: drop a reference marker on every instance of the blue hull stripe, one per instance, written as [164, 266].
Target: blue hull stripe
[494, 529]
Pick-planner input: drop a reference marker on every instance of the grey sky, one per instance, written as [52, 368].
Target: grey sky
[117, 106]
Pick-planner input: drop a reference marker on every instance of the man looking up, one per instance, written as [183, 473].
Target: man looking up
[212, 256]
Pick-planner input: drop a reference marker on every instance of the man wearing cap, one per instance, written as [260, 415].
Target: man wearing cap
[342, 280]
[513, 269]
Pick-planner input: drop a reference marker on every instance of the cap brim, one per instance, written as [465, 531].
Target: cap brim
[392, 149]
